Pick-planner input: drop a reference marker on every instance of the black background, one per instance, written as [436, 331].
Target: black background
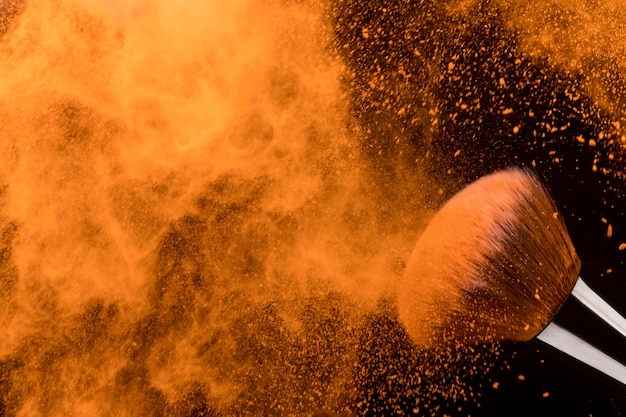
[487, 67]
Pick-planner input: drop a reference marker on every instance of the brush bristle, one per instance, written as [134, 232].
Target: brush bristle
[494, 263]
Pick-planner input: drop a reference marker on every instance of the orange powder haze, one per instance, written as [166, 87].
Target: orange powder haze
[174, 175]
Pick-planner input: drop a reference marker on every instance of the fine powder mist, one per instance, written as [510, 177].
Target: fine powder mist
[186, 226]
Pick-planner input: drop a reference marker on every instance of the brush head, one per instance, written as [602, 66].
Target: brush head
[494, 263]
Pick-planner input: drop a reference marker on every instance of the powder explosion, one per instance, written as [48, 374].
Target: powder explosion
[205, 207]
[186, 226]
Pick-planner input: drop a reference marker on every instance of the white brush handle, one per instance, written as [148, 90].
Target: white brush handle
[601, 308]
[561, 339]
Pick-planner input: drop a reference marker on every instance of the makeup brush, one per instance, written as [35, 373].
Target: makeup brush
[496, 263]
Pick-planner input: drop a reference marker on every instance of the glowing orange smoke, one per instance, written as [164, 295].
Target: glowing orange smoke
[182, 210]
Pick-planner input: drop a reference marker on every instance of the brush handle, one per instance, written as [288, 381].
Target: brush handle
[598, 306]
[561, 339]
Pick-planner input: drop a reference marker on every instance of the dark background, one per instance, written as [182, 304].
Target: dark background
[411, 66]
